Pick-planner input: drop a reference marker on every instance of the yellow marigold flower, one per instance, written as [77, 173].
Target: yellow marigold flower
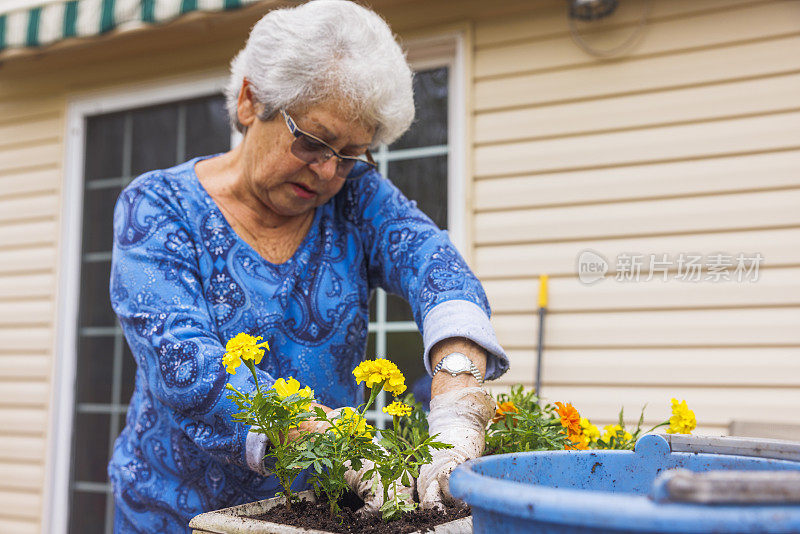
[290, 387]
[570, 418]
[616, 431]
[589, 431]
[242, 347]
[398, 408]
[350, 422]
[682, 420]
[381, 371]
[503, 409]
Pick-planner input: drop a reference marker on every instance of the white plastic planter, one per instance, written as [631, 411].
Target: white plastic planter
[238, 520]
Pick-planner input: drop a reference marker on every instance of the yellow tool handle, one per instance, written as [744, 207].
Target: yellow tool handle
[543, 291]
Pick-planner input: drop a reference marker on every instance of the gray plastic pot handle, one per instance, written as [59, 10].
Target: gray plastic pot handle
[762, 448]
[727, 487]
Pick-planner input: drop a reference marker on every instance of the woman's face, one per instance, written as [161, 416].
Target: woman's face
[285, 184]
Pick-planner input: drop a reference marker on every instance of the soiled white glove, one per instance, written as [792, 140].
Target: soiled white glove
[371, 491]
[460, 418]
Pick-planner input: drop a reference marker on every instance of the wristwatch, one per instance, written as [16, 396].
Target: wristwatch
[456, 363]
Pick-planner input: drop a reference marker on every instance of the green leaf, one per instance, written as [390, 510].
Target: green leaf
[390, 511]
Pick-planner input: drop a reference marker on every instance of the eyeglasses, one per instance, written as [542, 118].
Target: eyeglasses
[313, 150]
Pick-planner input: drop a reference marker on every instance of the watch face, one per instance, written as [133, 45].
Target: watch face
[456, 363]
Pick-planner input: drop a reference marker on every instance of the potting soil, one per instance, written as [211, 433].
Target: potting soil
[316, 516]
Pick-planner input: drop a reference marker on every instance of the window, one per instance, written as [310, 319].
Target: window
[118, 147]
[417, 164]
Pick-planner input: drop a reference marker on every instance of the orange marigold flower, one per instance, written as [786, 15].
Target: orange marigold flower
[503, 409]
[570, 418]
[577, 443]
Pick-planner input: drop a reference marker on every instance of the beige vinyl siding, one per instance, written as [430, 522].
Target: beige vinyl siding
[31, 152]
[518, 261]
[689, 142]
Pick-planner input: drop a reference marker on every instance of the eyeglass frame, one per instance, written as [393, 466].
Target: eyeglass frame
[332, 152]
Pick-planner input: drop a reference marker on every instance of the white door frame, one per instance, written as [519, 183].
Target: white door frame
[62, 399]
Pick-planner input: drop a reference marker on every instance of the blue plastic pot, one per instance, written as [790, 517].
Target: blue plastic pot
[618, 492]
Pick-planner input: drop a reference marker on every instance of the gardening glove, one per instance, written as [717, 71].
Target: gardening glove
[371, 491]
[459, 417]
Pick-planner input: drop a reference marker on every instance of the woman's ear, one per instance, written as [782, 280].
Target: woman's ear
[246, 110]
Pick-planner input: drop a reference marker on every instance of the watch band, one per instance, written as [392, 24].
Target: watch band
[473, 369]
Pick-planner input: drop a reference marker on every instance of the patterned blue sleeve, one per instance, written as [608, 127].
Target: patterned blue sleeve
[157, 294]
[408, 255]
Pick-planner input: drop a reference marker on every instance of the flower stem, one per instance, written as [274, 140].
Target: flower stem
[373, 394]
[252, 368]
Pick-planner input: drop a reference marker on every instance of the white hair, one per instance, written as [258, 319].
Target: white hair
[326, 50]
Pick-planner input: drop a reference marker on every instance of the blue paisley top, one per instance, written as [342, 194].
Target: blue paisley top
[183, 283]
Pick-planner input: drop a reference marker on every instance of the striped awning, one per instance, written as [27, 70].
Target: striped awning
[53, 21]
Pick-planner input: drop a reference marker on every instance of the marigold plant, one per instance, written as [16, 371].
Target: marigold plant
[243, 347]
[682, 420]
[351, 423]
[571, 421]
[273, 411]
[570, 418]
[521, 424]
[589, 432]
[381, 372]
[403, 455]
[398, 409]
[330, 454]
[503, 410]
[396, 457]
[618, 437]
[576, 442]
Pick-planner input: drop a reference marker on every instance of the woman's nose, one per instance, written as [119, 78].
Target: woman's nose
[327, 169]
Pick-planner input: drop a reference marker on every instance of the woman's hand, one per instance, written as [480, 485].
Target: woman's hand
[371, 491]
[312, 425]
[460, 411]
[459, 417]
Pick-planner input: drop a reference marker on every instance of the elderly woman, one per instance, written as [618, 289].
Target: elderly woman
[285, 236]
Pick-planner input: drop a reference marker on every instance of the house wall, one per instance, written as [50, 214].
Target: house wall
[688, 142]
